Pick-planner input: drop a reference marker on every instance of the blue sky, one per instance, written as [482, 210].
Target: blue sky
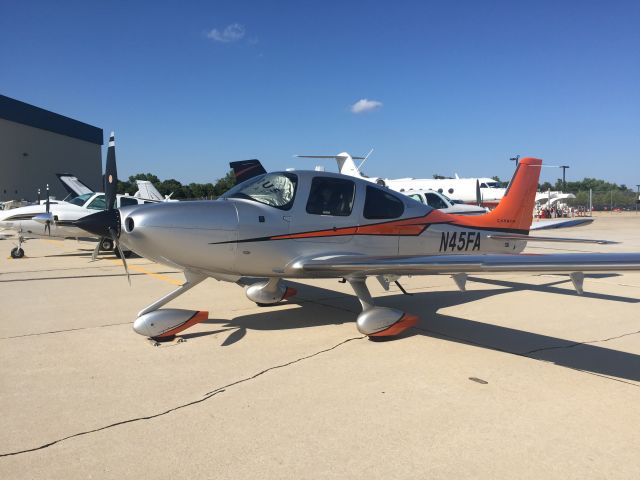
[462, 86]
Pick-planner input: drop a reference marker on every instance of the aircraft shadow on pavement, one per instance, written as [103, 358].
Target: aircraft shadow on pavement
[327, 307]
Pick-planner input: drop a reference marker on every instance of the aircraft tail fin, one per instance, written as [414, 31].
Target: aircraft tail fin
[246, 169]
[346, 164]
[147, 190]
[514, 213]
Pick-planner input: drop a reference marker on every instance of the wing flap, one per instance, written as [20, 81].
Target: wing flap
[528, 238]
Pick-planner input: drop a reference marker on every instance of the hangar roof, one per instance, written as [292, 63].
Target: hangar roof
[20, 112]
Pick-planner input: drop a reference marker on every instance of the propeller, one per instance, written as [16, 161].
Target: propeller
[45, 218]
[47, 225]
[478, 194]
[106, 224]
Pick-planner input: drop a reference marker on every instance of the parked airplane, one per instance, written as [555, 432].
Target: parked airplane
[485, 192]
[310, 224]
[55, 219]
[441, 202]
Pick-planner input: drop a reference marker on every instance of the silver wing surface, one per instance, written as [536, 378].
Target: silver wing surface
[361, 265]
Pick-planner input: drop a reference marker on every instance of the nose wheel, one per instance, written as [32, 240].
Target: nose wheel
[17, 252]
[106, 244]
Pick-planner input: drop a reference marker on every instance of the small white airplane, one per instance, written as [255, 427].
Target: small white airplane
[441, 202]
[312, 224]
[485, 192]
[55, 218]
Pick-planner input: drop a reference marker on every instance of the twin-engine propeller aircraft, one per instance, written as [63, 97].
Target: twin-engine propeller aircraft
[310, 224]
[55, 219]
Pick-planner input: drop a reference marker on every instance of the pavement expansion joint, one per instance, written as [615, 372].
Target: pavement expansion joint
[205, 397]
[529, 354]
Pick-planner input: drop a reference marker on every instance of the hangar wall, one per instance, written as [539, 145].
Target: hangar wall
[35, 144]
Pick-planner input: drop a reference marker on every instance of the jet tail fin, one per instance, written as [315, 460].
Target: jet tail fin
[246, 169]
[346, 164]
[514, 213]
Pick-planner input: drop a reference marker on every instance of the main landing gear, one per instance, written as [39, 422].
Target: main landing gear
[377, 322]
[269, 292]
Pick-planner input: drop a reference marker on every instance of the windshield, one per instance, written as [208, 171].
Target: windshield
[274, 189]
[81, 199]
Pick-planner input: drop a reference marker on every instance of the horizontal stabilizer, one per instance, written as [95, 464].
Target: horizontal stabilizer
[561, 223]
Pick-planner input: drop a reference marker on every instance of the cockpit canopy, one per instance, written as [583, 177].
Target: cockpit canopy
[274, 189]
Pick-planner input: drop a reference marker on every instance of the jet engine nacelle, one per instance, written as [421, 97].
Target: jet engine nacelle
[167, 322]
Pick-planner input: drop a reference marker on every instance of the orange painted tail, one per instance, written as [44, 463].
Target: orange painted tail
[515, 210]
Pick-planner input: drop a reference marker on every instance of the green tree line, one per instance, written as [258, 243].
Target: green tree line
[176, 189]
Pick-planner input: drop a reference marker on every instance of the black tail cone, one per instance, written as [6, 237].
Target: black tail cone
[101, 223]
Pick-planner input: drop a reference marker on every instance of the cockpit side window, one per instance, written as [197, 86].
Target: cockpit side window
[97, 203]
[417, 196]
[331, 196]
[275, 189]
[379, 204]
[124, 201]
[435, 201]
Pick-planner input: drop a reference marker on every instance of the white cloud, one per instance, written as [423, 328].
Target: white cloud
[230, 33]
[365, 105]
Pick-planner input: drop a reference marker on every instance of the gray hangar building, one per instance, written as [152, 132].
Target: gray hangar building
[35, 144]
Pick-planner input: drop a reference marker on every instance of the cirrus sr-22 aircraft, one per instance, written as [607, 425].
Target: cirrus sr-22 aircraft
[310, 224]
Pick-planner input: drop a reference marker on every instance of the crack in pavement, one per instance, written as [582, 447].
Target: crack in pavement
[577, 344]
[528, 354]
[205, 397]
[63, 331]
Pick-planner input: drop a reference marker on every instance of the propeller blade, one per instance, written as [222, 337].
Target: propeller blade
[96, 250]
[114, 237]
[478, 194]
[111, 175]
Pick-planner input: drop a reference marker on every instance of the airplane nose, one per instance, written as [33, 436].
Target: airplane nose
[101, 223]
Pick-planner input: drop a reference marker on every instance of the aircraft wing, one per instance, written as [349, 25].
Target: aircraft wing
[73, 185]
[362, 265]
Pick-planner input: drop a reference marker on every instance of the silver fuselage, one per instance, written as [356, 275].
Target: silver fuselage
[234, 236]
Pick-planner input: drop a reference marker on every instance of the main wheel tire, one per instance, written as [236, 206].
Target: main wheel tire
[17, 252]
[106, 245]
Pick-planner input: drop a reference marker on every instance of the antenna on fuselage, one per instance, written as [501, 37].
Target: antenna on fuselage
[364, 159]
